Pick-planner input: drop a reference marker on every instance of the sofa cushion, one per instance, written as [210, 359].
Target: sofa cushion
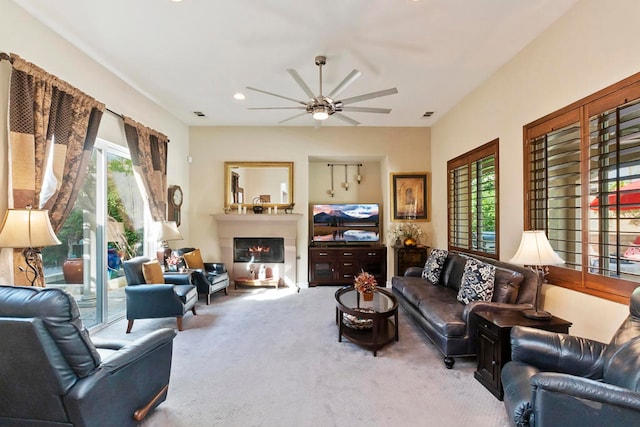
[152, 272]
[434, 265]
[477, 281]
[193, 259]
[453, 270]
[439, 306]
[506, 285]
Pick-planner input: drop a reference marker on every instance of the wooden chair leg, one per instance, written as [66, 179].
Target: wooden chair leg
[179, 322]
[208, 299]
[129, 325]
[193, 310]
[225, 291]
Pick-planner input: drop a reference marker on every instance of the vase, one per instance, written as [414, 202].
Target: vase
[367, 295]
[410, 242]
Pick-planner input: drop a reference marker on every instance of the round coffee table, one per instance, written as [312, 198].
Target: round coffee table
[370, 324]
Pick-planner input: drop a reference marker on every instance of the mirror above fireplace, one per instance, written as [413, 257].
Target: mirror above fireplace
[258, 183]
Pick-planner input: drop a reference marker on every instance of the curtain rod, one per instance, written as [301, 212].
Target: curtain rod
[344, 164]
[114, 113]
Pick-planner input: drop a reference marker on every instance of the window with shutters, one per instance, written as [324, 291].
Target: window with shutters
[473, 201]
[582, 186]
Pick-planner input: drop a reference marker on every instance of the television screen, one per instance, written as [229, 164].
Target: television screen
[346, 222]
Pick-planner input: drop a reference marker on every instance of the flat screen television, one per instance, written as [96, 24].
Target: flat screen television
[346, 223]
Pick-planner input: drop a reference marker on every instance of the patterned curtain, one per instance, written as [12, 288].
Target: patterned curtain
[149, 157]
[44, 110]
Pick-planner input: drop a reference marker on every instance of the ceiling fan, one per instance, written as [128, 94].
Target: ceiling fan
[322, 106]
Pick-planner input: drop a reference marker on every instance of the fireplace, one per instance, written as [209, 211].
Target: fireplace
[282, 227]
[258, 249]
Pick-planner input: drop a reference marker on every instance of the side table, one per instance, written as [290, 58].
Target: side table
[406, 257]
[494, 343]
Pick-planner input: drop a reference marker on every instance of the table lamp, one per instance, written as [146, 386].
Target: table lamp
[168, 231]
[29, 229]
[536, 252]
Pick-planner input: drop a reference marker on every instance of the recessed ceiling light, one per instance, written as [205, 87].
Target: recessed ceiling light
[199, 113]
[428, 114]
[239, 96]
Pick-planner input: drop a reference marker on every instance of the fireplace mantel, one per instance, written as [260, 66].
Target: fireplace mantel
[257, 217]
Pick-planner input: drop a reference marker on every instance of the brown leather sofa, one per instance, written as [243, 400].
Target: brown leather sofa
[445, 321]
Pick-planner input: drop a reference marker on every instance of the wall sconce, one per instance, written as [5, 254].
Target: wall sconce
[28, 229]
[331, 191]
[345, 184]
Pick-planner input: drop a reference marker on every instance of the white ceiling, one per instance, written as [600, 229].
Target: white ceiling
[195, 54]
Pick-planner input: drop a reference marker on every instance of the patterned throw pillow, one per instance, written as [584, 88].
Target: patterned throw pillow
[477, 281]
[434, 265]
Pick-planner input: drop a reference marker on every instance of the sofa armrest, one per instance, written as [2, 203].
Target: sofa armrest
[557, 398]
[217, 267]
[177, 278]
[474, 306]
[413, 272]
[552, 351]
[135, 350]
[149, 301]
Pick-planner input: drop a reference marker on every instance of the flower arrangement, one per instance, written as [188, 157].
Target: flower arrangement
[173, 260]
[365, 282]
[405, 230]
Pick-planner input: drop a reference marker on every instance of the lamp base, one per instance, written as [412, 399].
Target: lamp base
[536, 314]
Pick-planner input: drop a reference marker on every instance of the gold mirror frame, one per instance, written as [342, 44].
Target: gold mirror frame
[236, 193]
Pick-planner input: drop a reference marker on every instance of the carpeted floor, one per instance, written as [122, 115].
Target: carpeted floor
[271, 357]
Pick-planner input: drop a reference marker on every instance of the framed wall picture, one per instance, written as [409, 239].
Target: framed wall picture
[410, 196]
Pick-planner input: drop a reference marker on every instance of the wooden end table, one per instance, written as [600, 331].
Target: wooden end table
[494, 343]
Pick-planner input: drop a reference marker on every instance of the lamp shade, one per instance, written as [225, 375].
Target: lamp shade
[27, 228]
[169, 231]
[535, 250]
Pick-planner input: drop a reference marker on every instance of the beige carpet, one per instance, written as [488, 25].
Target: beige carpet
[267, 357]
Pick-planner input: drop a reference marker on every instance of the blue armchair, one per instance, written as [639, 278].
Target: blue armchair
[53, 374]
[213, 276]
[150, 301]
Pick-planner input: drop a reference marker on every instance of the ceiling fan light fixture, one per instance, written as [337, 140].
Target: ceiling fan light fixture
[320, 113]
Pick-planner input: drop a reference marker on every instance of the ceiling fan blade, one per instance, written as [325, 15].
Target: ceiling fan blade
[366, 110]
[275, 94]
[276, 108]
[346, 119]
[301, 83]
[369, 96]
[293, 117]
[353, 75]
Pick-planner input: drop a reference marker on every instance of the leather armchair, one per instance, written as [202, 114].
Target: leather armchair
[561, 380]
[213, 276]
[53, 374]
[150, 301]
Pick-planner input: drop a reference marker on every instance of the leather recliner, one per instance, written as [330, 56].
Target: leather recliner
[151, 301]
[561, 380]
[53, 374]
[213, 276]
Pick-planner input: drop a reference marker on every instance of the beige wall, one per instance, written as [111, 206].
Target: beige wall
[591, 47]
[23, 35]
[381, 150]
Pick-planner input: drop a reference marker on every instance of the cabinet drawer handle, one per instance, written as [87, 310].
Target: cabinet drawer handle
[347, 254]
[323, 253]
[494, 363]
[372, 253]
[348, 264]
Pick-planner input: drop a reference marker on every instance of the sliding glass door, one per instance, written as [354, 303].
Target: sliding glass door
[105, 228]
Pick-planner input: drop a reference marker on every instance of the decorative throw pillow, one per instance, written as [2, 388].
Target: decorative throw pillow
[477, 281]
[152, 272]
[193, 259]
[434, 265]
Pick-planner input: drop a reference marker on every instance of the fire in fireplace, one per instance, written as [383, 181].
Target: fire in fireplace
[258, 249]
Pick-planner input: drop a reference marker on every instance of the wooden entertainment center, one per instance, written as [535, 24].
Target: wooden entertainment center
[331, 265]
